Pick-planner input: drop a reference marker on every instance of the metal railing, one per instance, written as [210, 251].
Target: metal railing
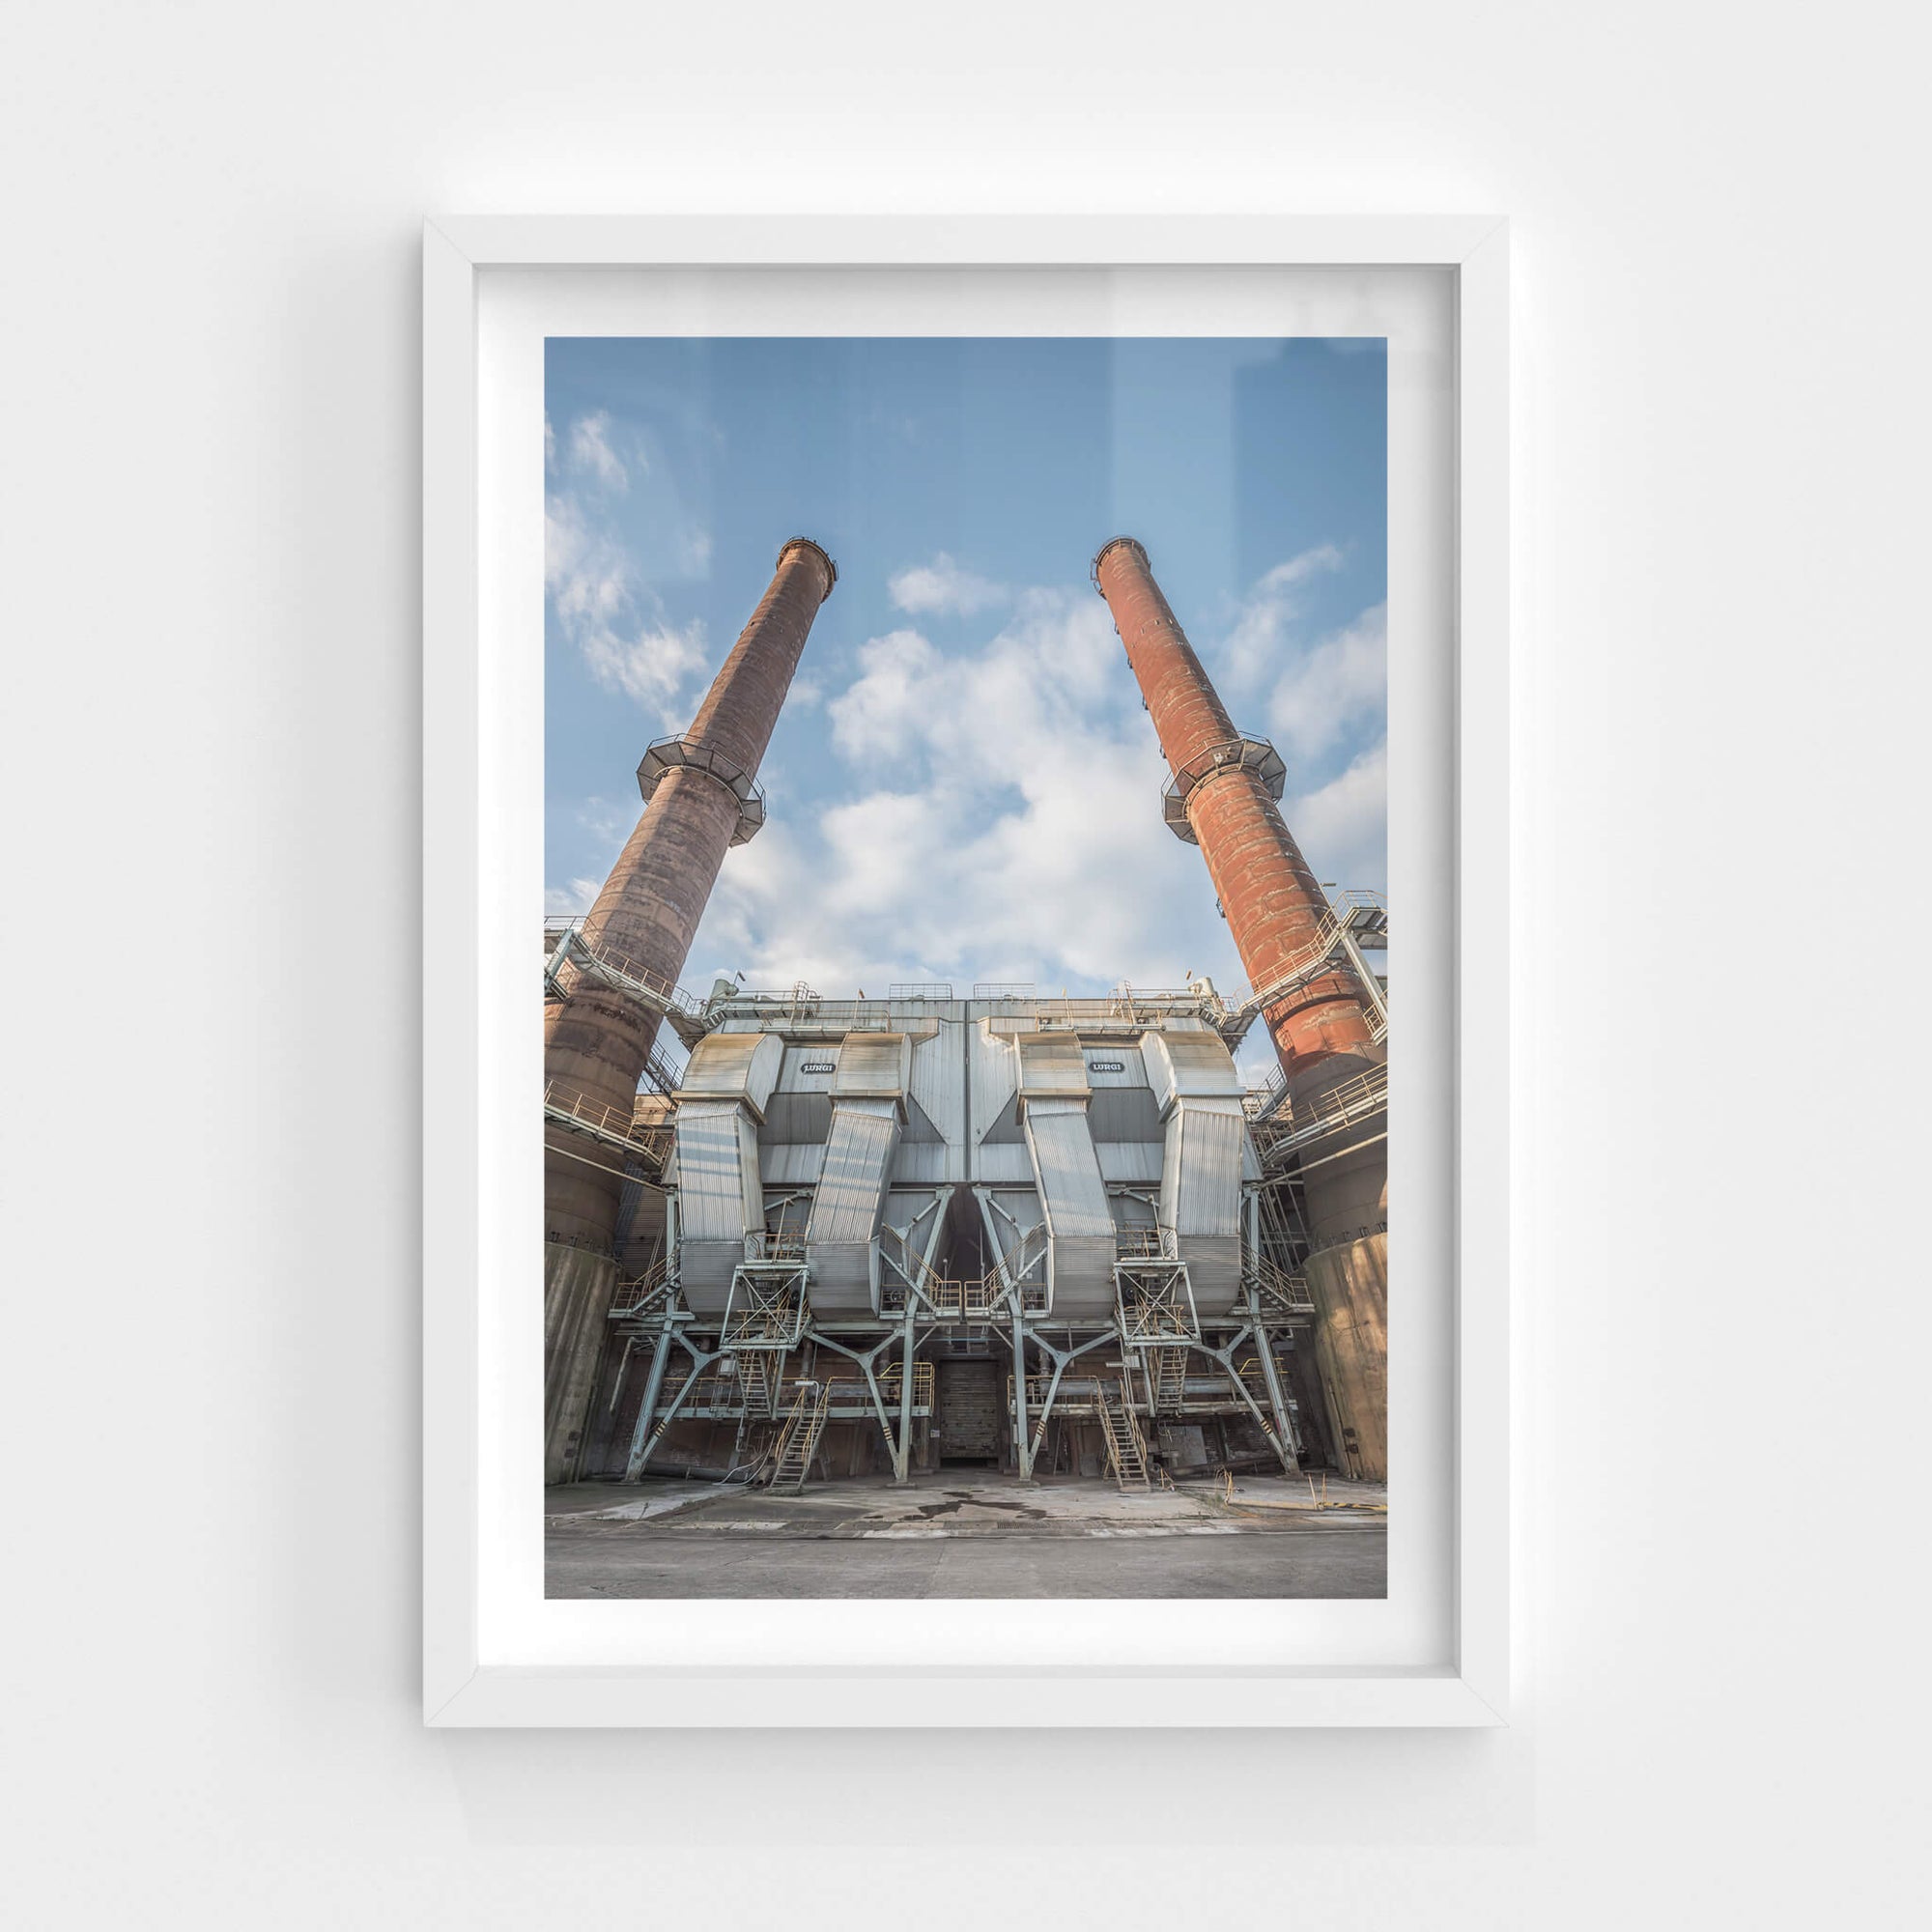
[981, 1296]
[976, 1297]
[638, 1296]
[601, 964]
[1345, 1105]
[1079, 1395]
[1289, 1292]
[719, 1392]
[1363, 912]
[615, 1126]
[772, 1248]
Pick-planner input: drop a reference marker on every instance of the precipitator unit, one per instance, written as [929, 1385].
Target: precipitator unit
[972, 1227]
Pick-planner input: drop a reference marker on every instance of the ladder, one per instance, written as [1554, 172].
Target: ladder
[761, 1372]
[1126, 1451]
[1167, 1378]
[799, 1442]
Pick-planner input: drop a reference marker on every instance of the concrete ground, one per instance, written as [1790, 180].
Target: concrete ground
[950, 1535]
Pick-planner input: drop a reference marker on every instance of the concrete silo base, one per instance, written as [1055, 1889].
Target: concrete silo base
[578, 1286]
[1349, 1285]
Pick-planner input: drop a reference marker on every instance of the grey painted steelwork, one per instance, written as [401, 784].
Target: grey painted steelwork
[1030, 1176]
[1053, 1176]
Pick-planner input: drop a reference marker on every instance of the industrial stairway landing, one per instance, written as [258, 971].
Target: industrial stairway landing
[799, 1442]
[1126, 1449]
[1167, 1379]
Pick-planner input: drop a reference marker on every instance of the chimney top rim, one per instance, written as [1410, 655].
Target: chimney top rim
[818, 551]
[1133, 544]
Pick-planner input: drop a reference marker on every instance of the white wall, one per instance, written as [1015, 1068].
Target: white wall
[211, 526]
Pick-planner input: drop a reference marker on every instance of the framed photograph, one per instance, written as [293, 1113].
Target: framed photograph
[996, 1211]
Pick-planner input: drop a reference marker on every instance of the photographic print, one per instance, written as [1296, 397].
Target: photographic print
[965, 1004]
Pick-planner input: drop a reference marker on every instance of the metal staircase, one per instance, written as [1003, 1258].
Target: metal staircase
[1167, 1378]
[761, 1374]
[1281, 1293]
[1278, 1133]
[799, 1441]
[1126, 1447]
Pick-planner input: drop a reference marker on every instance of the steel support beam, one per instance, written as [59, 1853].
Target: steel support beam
[1060, 1359]
[1271, 1375]
[1022, 1439]
[642, 1444]
[865, 1361]
[1283, 1444]
[653, 1389]
[903, 1454]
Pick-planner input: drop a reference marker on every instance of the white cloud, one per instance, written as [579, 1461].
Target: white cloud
[1342, 827]
[942, 588]
[1256, 644]
[1002, 818]
[589, 576]
[884, 713]
[590, 451]
[1007, 825]
[617, 627]
[1336, 686]
[572, 901]
[650, 666]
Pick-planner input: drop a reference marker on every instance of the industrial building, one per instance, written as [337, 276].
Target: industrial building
[964, 1227]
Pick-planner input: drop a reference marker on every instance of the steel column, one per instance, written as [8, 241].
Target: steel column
[1269, 1373]
[1225, 1358]
[641, 1454]
[902, 1455]
[1022, 1441]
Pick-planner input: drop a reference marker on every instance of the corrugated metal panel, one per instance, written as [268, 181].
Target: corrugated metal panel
[809, 1069]
[711, 1188]
[1188, 1065]
[1207, 1174]
[788, 1164]
[924, 1162]
[734, 1066]
[939, 1081]
[1135, 1162]
[1082, 1277]
[721, 1195]
[852, 1182]
[1022, 1204]
[1066, 1169]
[994, 1072]
[1052, 1065]
[1113, 1063]
[911, 1210]
[1213, 1269]
[1123, 1113]
[797, 1116]
[1000, 1165]
[872, 1064]
[704, 1273]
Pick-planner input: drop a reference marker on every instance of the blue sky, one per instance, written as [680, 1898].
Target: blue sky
[963, 784]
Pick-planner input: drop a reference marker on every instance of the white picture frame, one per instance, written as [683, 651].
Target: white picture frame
[464, 1682]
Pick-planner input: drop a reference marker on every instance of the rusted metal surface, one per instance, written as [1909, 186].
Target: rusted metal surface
[1274, 906]
[597, 1041]
[599, 1035]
